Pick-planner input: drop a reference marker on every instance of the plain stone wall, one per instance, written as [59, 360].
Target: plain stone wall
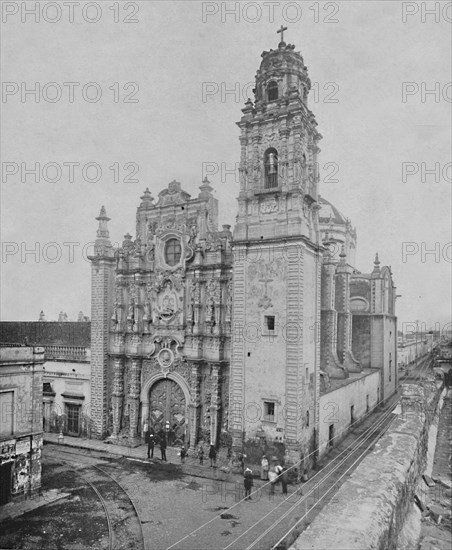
[361, 339]
[369, 509]
[335, 406]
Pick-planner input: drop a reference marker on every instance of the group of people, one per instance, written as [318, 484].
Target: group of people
[151, 439]
[212, 455]
[161, 438]
[274, 473]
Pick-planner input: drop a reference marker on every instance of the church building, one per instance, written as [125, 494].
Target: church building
[235, 337]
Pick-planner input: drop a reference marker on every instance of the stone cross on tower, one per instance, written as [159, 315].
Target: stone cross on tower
[281, 30]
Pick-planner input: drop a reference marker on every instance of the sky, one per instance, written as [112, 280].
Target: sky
[157, 88]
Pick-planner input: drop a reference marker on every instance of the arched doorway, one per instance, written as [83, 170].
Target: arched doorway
[167, 404]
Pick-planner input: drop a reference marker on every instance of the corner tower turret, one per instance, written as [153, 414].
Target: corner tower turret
[102, 283]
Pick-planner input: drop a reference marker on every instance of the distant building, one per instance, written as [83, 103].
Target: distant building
[20, 420]
[66, 395]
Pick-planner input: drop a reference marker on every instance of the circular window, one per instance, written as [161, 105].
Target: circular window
[172, 252]
[359, 304]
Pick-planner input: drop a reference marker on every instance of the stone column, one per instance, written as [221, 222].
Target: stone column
[215, 401]
[243, 163]
[134, 398]
[329, 361]
[117, 393]
[344, 317]
[194, 407]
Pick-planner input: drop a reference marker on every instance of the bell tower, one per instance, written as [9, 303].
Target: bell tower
[277, 258]
[279, 149]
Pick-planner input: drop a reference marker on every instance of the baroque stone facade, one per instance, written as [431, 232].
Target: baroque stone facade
[225, 335]
[168, 316]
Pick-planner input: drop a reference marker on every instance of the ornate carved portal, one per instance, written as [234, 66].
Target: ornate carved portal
[167, 404]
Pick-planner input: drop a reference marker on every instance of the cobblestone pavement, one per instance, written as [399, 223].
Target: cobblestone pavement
[170, 503]
[173, 500]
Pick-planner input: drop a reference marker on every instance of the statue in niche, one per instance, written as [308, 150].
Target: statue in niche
[168, 304]
[271, 163]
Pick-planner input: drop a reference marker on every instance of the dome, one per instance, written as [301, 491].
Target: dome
[328, 213]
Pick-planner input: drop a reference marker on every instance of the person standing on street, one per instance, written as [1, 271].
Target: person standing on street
[284, 480]
[273, 477]
[248, 483]
[183, 454]
[163, 445]
[264, 468]
[278, 470]
[150, 440]
[213, 456]
[201, 455]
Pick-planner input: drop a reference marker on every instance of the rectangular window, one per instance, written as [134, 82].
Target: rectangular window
[269, 411]
[6, 413]
[352, 414]
[270, 322]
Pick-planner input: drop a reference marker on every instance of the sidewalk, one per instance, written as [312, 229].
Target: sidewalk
[190, 467]
[18, 508]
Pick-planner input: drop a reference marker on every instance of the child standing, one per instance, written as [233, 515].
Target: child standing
[201, 455]
[183, 454]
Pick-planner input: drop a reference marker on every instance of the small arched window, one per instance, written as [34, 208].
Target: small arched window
[271, 168]
[272, 91]
[307, 418]
[172, 252]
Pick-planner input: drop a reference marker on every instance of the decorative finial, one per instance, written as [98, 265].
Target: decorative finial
[103, 214]
[102, 218]
[127, 239]
[342, 254]
[147, 197]
[206, 188]
[376, 272]
[281, 30]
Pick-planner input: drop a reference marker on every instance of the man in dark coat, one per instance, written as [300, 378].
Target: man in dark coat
[150, 440]
[163, 445]
[213, 456]
[248, 483]
[284, 480]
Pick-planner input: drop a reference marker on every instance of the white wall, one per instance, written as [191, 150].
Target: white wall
[68, 377]
[335, 406]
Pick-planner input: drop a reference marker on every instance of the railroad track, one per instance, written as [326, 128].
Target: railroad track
[124, 525]
[277, 529]
[302, 506]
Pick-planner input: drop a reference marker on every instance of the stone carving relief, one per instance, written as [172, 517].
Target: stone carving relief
[213, 301]
[168, 304]
[165, 354]
[262, 273]
[269, 206]
[117, 310]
